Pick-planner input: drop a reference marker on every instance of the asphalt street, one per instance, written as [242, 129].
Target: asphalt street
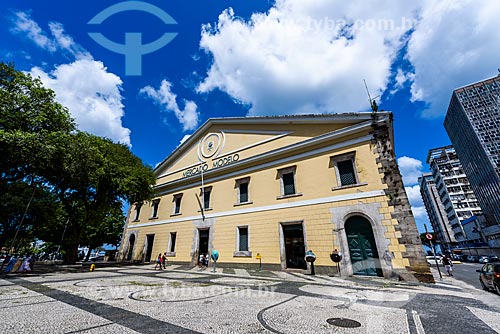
[138, 299]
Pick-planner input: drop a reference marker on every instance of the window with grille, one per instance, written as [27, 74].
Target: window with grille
[288, 184]
[346, 172]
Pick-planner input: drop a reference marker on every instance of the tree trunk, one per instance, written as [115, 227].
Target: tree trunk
[71, 254]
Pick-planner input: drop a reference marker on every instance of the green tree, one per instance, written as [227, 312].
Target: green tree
[84, 177]
[29, 117]
[98, 175]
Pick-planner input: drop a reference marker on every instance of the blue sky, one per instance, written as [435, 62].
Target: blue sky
[256, 57]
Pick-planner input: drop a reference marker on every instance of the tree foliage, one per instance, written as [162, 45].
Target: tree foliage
[74, 182]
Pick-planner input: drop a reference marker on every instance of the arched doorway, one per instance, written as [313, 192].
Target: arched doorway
[131, 242]
[362, 247]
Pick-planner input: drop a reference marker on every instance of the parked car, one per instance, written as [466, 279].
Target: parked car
[432, 262]
[493, 258]
[489, 277]
[484, 259]
[96, 258]
[472, 258]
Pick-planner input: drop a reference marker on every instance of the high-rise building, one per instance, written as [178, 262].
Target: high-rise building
[473, 125]
[455, 201]
[436, 211]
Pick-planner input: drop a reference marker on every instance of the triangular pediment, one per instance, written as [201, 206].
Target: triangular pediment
[222, 142]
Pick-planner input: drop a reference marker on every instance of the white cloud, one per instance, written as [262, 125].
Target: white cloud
[24, 24]
[304, 56]
[92, 95]
[455, 43]
[417, 205]
[66, 42]
[164, 96]
[411, 170]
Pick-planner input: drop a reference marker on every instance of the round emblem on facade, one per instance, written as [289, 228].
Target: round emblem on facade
[210, 145]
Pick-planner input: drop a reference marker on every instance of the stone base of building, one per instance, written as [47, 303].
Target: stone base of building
[415, 274]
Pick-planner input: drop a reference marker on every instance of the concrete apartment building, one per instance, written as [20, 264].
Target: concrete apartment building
[280, 186]
[449, 199]
[473, 125]
[436, 212]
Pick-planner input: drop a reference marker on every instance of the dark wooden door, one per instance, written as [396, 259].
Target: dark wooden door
[362, 247]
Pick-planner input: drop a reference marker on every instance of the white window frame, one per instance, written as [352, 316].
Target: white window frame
[202, 197]
[288, 170]
[238, 253]
[174, 200]
[170, 251]
[238, 183]
[155, 202]
[351, 156]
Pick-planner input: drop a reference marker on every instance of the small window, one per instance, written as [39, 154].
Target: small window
[287, 181]
[345, 170]
[205, 197]
[242, 186]
[137, 211]
[288, 184]
[177, 204]
[243, 238]
[243, 192]
[155, 205]
[173, 238]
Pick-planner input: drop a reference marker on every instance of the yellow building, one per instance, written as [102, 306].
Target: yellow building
[278, 187]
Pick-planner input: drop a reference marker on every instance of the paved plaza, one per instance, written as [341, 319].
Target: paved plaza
[138, 299]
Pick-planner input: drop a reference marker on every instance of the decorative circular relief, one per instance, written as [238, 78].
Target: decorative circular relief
[210, 145]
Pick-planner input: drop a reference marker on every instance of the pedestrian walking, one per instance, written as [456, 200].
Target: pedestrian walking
[448, 265]
[164, 260]
[158, 262]
[6, 261]
[10, 265]
[25, 266]
[201, 259]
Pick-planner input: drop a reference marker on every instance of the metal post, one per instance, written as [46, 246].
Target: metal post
[434, 254]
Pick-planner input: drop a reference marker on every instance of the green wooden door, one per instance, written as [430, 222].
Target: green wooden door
[362, 247]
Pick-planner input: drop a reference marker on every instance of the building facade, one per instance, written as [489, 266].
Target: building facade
[436, 212]
[473, 125]
[277, 187]
[454, 190]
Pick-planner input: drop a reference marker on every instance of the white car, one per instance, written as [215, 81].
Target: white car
[432, 262]
[484, 259]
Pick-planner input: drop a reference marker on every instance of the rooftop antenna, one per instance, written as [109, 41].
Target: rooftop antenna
[373, 103]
